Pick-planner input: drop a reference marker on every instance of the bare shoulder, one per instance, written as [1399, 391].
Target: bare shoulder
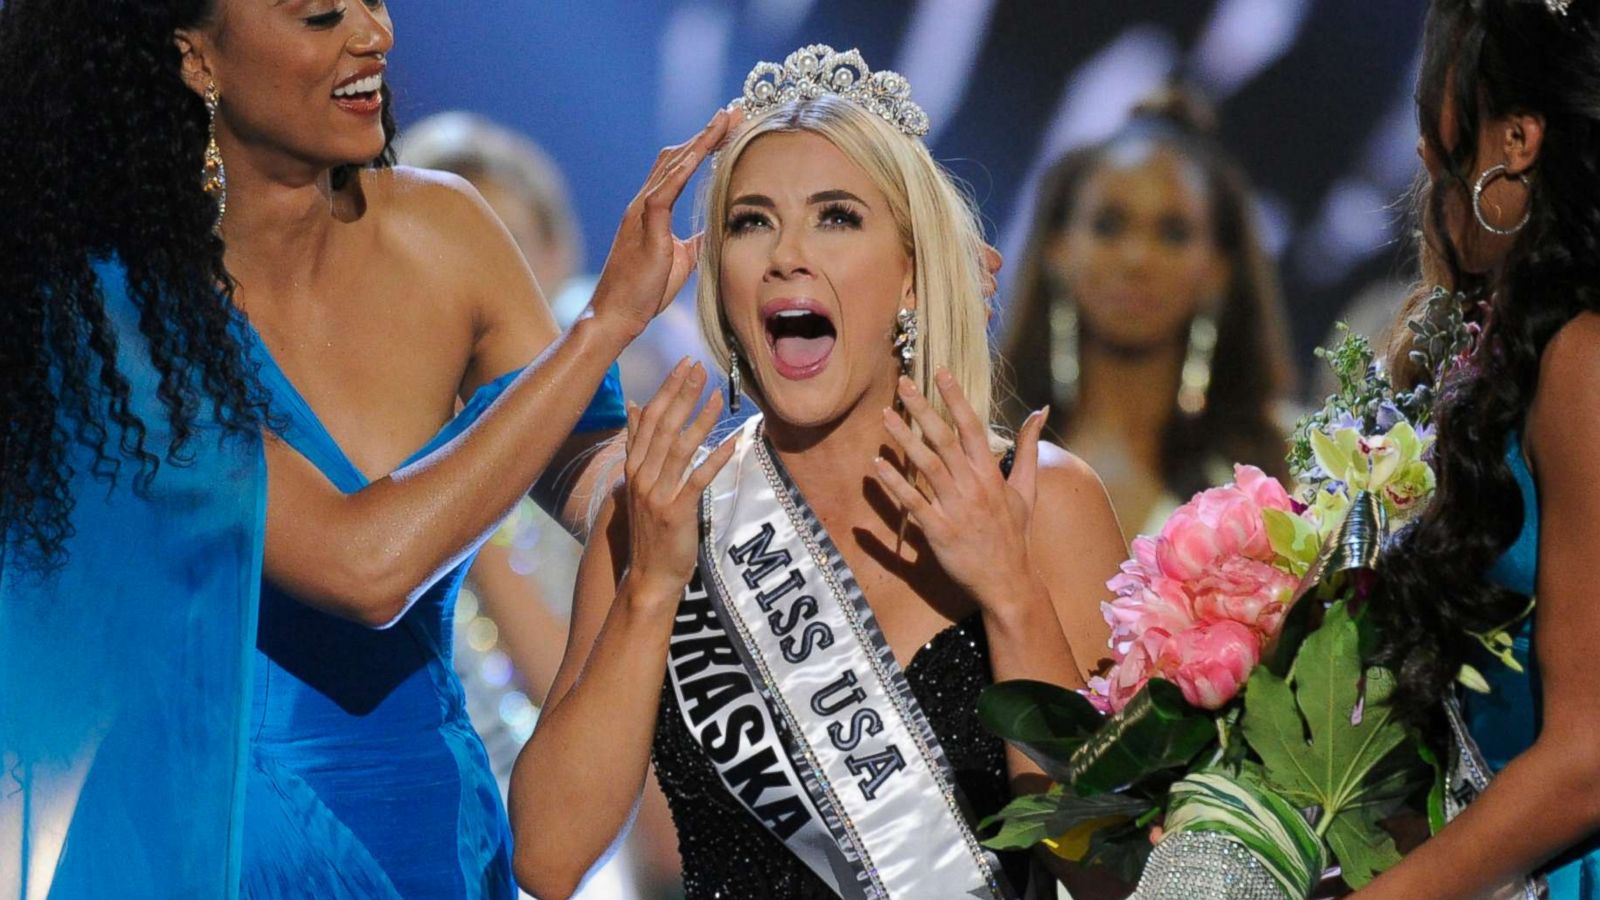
[1063, 475]
[1071, 497]
[1563, 413]
[423, 199]
[1571, 361]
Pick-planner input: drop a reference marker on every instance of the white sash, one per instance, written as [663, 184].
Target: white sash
[834, 756]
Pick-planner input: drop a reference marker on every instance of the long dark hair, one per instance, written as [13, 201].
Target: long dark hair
[1483, 59]
[101, 143]
[1250, 372]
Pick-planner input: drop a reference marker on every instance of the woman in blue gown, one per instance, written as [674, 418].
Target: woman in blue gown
[170, 465]
[1511, 218]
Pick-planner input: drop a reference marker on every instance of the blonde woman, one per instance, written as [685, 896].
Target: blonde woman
[791, 630]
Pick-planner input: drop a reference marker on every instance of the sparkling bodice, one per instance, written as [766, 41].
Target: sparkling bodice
[727, 853]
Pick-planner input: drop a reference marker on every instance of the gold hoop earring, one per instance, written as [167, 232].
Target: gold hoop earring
[1063, 337]
[1197, 360]
[213, 174]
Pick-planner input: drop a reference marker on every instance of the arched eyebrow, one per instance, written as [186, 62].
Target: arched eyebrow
[762, 200]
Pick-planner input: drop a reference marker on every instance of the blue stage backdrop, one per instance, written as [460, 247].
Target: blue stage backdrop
[1314, 95]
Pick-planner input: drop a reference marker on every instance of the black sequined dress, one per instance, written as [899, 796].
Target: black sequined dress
[728, 854]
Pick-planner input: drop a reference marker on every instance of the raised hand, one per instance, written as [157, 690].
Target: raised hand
[648, 263]
[975, 519]
[662, 489]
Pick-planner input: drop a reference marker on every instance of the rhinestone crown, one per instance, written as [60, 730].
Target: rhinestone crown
[1559, 7]
[813, 71]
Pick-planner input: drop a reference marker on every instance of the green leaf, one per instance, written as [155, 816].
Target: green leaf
[1157, 730]
[1327, 737]
[1045, 721]
[1436, 790]
[1123, 851]
[1364, 849]
[1259, 820]
[1028, 820]
[1292, 538]
[1297, 623]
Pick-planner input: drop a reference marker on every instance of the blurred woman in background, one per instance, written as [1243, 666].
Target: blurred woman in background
[1147, 314]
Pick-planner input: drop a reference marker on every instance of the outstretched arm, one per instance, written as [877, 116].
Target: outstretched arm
[366, 556]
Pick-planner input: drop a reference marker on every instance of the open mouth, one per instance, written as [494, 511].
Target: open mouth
[801, 338]
[361, 95]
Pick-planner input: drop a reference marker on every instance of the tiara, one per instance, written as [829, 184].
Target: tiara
[1559, 7]
[813, 71]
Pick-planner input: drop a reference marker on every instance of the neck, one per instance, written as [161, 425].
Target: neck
[279, 219]
[1128, 395]
[830, 463]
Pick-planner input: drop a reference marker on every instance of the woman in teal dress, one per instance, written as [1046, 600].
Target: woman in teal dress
[1509, 104]
[235, 343]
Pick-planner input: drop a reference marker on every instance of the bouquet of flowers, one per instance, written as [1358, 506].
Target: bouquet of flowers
[1238, 710]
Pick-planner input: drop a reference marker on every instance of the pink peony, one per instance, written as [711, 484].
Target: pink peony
[1144, 603]
[1196, 603]
[1098, 693]
[1219, 523]
[1262, 488]
[1209, 662]
[1252, 593]
[1134, 669]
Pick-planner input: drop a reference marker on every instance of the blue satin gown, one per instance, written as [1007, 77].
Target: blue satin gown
[1506, 721]
[367, 778]
[125, 673]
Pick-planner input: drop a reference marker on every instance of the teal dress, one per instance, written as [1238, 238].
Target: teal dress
[1505, 722]
[367, 779]
[125, 674]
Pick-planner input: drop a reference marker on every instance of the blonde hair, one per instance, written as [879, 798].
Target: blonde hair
[937, 223]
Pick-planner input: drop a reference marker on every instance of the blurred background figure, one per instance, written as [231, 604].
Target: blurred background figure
[1147, 315]
[511, 621]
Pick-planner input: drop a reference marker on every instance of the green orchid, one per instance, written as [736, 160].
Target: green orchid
[1389, 465]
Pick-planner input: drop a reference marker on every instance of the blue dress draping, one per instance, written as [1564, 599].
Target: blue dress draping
[367, 779]
[125, 673]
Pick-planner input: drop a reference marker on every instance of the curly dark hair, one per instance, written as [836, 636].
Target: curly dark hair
[1483, 59]
[102, 142]
[1251, 370]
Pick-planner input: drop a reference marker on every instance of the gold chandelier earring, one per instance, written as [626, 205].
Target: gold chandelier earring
[1195, 382]
[213, 174]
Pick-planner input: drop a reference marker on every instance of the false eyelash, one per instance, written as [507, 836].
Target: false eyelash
[326, 20]
[852, 219]
[743, 222]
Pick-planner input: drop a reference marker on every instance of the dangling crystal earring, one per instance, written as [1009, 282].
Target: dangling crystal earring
[1063, 352]
[906, 333]
[1477, 201]
[735, 385]
[1196, 378]
[213, 174]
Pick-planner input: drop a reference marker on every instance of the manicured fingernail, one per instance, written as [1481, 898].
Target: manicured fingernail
[1043, 412]
[943, 377]
[907, 386]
